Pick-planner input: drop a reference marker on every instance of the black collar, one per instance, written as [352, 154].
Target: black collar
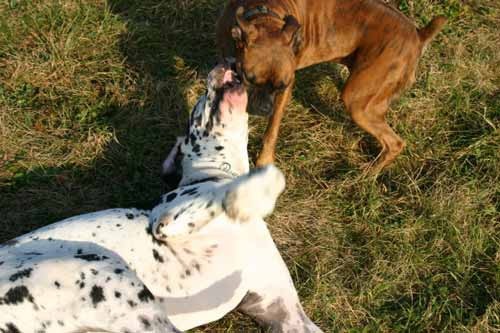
[208, 179]
[259, 10]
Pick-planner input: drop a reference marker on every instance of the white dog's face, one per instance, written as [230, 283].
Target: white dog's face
[217, 130]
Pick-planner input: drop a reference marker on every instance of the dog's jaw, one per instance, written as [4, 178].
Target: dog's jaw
[215, 146]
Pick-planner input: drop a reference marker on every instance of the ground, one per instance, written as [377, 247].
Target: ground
[94, 92]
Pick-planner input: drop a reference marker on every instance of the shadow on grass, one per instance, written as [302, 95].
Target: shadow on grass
[165, 45]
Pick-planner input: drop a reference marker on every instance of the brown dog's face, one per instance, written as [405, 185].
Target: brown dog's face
[265, 58]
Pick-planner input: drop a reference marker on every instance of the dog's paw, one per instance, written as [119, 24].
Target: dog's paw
[254, 195]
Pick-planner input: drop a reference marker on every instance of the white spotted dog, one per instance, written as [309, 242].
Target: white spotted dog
[219, 201]
[202, 252]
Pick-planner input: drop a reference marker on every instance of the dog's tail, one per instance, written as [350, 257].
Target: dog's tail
[427, 33]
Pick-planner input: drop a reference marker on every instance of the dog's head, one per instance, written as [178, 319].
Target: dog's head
[266, 49]
[217, 136]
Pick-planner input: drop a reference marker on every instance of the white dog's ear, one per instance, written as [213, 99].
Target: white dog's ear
[254, 195]
[168, 166]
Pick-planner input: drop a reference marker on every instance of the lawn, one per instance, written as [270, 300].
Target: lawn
[94, 92]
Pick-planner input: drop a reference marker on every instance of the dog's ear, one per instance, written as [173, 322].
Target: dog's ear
[244, 32]
[170, 171]
[254, 195]
[292, 30]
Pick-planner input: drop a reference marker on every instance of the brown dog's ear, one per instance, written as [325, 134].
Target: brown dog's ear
[292, 30]
[244, 32]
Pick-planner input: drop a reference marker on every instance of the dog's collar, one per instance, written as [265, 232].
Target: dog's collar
[222, 172]
[260, 10]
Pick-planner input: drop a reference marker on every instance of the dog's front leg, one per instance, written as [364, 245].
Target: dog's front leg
[267, 152]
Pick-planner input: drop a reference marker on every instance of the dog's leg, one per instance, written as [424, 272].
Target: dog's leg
[272, 299]
[367, 96]
[266, 155]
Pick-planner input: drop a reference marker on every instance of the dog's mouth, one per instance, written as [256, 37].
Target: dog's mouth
[231, 80]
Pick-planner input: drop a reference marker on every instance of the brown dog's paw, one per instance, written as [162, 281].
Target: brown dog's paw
[264, 159]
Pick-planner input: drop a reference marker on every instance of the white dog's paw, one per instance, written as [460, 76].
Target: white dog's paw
[254, 195]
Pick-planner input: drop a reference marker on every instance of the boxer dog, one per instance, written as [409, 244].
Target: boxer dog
[202, 252]
[271, 39]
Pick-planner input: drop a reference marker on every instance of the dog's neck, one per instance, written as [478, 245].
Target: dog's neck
[276, 9]
[228, 164]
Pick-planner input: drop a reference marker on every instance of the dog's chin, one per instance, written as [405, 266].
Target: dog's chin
[257, 108]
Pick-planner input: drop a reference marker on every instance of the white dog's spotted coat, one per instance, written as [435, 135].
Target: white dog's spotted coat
[202, 252]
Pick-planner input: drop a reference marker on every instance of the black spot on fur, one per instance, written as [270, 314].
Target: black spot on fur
[57, 284]
[10, 328]
[190, 191]
[1, 263]
[192, 137]
[219, 148]
[97, 295]
[179, 213]
[118, 294]
[91, 257]
[118, 271]
[25, 273]
[145, 323]
[118, 225]
[94, 271]
[145, 295]
[132, 303]
[16, 295]
[196, 148]
[129, 216]
[60, 323]
[32, 253]
[149, 231]
[170, 197]
[157, 256]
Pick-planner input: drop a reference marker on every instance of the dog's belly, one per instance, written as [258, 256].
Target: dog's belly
[216, 260]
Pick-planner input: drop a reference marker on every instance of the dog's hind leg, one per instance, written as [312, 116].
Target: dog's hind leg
[271, 298]
[367, 95]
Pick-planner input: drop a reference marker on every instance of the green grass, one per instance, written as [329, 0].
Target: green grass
[93, 93]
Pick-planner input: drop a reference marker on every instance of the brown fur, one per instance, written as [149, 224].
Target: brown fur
[380, 46]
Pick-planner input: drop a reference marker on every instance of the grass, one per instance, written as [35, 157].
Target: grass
[93, 93]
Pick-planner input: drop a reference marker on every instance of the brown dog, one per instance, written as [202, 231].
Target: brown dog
[271, 39]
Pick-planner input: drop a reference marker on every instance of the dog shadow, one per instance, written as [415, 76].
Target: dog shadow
[165, 45]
